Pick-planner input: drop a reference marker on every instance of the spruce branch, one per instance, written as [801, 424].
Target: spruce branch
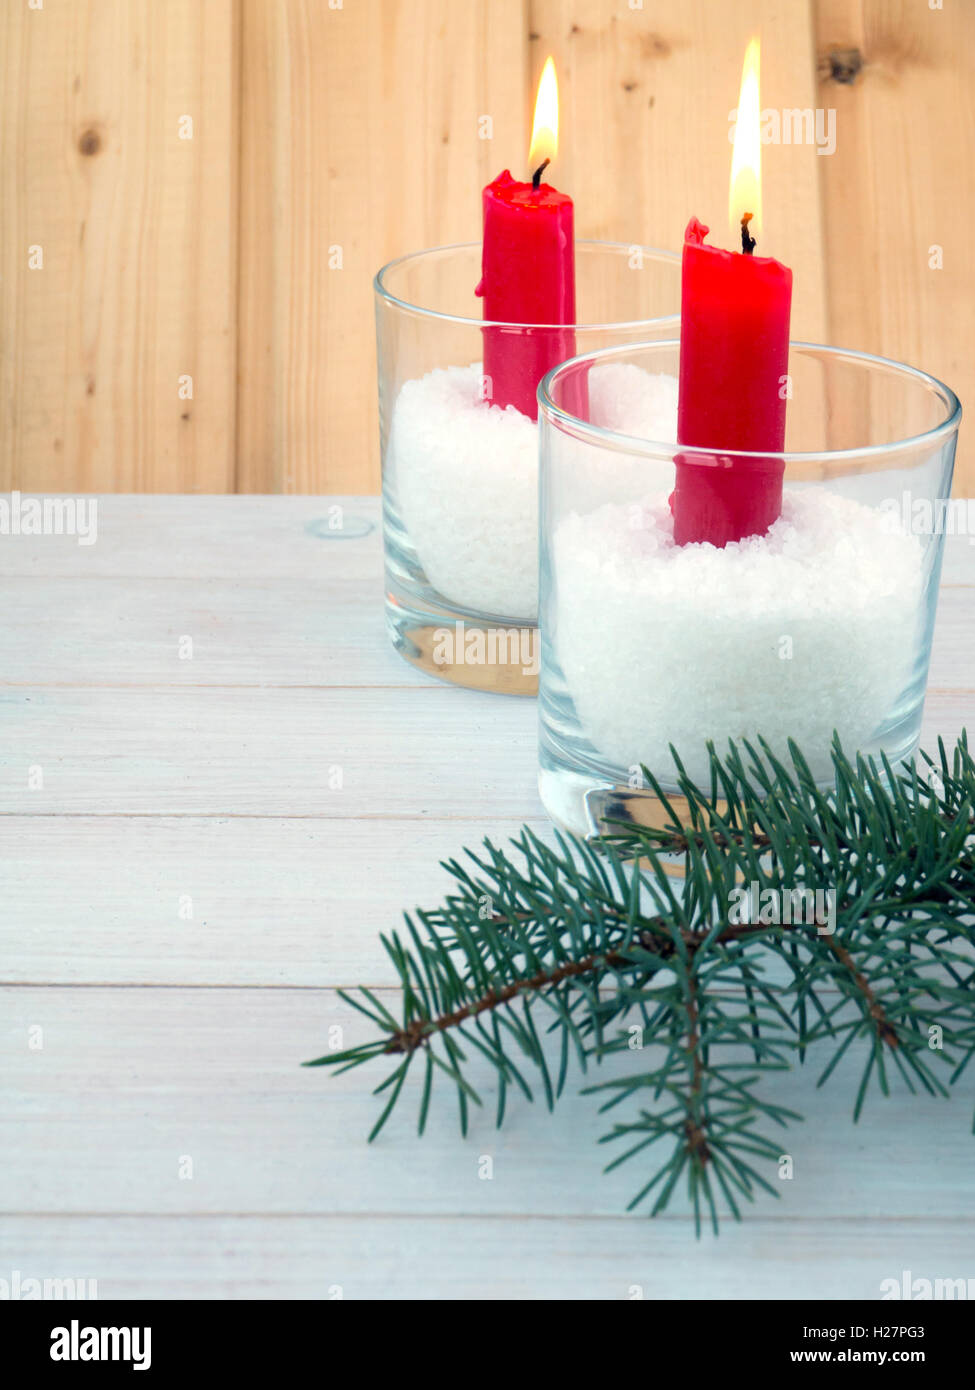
[542, 956]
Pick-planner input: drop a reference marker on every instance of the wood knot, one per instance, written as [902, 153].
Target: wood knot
[89, 142]
[655, 46]
[843, 65]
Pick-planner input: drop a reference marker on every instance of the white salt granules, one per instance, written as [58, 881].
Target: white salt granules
[466, 477]
[792, 634]
[809, 628]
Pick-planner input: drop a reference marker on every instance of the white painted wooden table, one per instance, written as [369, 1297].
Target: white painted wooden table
[214, 847]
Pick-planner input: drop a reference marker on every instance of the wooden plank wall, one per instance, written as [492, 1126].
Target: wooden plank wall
[331, 135]
[136, 225]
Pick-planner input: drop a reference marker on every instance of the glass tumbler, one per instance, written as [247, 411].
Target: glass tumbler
[460, 476]
[823, 624]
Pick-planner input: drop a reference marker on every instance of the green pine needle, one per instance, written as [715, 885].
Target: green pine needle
[588, 949]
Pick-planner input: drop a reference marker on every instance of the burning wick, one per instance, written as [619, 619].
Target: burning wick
[537, 176]
[747, 241]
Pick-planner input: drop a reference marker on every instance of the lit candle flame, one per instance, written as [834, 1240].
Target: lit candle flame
[745, 188]
[545, 127]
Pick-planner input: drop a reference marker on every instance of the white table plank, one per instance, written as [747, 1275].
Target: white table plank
[129, 1082]
[430, 1257]
[245, 751]
[274, 902]
[188, 632]
[341, 753]
[311, 538]
[959, 559]
[264, 632]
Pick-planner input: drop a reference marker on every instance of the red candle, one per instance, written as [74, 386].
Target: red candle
[528, 269]
[734, 360]
[734, 357]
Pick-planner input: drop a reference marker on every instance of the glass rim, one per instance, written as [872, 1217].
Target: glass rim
[659, 449]
[653, 252]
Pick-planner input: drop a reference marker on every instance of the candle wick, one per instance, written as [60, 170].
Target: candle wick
[747, 240]
[537, 176]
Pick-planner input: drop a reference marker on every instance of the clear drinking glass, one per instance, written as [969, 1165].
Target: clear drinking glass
[460, 477]
[823, 624]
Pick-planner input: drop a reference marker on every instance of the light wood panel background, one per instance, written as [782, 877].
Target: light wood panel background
[354, 124]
